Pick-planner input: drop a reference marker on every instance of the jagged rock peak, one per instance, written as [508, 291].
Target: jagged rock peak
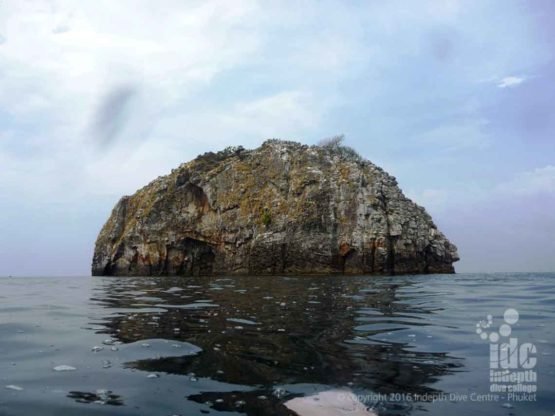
[283, 208]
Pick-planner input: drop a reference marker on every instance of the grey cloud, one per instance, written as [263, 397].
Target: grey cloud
[442, 44]
[442, 48]
[61, 28]
[112, 113]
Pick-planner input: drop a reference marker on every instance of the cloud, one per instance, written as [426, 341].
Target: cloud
[538, 182]
[534, 182]
[457, 135]
[293, 114]
[430, 198]
[285, 113]
[510, 82]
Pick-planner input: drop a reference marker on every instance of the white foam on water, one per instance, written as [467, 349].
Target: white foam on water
[329, 403]
[64, 367]
[242, 321]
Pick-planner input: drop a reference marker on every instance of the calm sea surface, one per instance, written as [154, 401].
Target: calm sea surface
[405, 345]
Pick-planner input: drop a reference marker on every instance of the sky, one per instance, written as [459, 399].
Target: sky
[453, 98]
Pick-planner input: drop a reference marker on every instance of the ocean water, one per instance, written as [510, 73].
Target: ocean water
[403, 345]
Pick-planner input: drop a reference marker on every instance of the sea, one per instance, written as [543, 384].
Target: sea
[463, 344]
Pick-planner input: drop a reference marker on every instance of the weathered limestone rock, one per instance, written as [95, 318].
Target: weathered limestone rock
[284, 208]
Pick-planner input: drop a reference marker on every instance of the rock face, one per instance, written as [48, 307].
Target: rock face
[284, 208]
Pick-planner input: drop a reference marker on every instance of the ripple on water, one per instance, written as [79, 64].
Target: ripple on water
[199, 305]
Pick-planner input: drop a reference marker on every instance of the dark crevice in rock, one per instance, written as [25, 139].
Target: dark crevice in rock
[372, 260]
[390, 261]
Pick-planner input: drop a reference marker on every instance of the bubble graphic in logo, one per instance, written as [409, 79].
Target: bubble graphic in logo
[511, 316]
[505, 330]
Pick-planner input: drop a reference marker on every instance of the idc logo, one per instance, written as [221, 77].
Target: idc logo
[512, 362]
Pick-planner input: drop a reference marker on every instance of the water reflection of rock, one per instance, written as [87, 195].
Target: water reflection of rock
[304, 330]
[104, 397]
